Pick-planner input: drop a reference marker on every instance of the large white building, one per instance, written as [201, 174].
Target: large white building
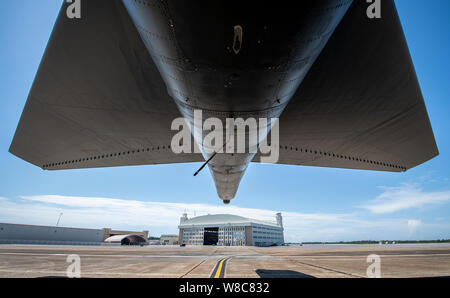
[226, 229]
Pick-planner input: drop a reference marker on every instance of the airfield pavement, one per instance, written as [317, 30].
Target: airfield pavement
[340, 261]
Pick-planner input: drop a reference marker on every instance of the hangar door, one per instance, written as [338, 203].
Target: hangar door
[211, 236]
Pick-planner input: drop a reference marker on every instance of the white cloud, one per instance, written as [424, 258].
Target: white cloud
[163, 217]
[405, 197]
[413, 225]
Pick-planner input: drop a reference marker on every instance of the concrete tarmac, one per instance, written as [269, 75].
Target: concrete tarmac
[308, 261]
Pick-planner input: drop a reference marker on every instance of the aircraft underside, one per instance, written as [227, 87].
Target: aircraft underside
[341, 84]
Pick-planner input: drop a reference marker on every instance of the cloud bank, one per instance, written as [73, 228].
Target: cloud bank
[163, 217]
[413, 225]
[404, 197]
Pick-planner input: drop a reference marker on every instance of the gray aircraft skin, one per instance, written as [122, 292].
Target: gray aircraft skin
[342, 85]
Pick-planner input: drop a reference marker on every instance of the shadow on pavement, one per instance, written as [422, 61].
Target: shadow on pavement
[265, 273]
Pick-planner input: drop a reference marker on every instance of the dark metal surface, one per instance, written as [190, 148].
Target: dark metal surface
[360, 105]
[193, 45]
[97, 100]
[110, 85]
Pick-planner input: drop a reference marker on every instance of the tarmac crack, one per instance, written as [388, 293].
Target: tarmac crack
[196, 266]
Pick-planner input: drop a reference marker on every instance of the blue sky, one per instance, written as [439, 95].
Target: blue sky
[319, 204]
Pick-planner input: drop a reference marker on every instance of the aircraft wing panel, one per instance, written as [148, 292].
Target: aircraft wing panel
[360, 106]
[98, 99]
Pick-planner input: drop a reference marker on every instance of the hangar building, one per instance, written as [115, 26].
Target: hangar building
[32, 234]
[54, 235]
[131, 239]
[230, 230]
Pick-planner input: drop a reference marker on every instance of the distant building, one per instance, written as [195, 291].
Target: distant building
[168, 240]
[230, 230]
[34, 234]
[127, 240]
[107, 232]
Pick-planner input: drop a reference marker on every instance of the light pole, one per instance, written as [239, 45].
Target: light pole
[57, 223]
